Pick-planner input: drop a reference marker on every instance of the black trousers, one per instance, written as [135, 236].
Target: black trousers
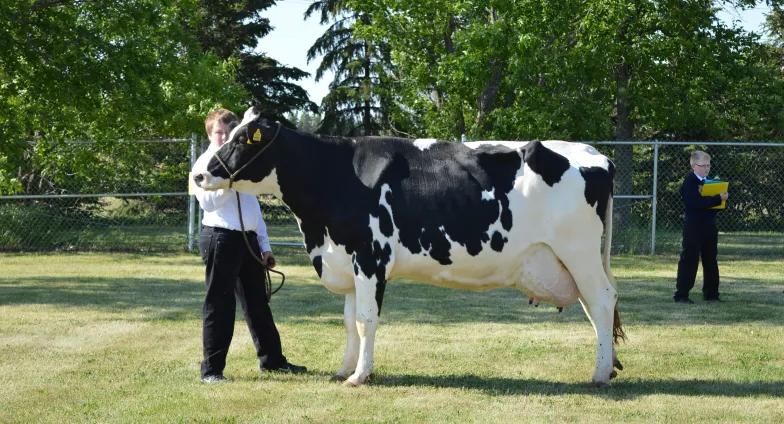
[231, 272]
[699, 242]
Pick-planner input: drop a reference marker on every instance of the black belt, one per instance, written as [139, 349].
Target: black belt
[226, 230]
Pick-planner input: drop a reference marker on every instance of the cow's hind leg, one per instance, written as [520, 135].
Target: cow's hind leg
[351, 354]
[598, 298]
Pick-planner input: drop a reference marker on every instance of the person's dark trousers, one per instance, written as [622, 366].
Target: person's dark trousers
[230, 272]
[699, 242]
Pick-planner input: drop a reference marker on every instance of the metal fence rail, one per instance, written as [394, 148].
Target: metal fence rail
[648, 217]
[648, 210]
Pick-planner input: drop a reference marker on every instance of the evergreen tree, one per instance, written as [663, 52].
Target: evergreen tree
[231, 29]
[356, 103]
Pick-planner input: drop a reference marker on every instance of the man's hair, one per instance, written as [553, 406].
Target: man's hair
[697, 156]
[224, 116]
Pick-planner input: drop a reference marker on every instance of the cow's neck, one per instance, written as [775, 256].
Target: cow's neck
[307, 173]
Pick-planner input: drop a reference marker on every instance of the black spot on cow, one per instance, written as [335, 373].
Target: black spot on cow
[373, 263]
[545, 162]
[497, 242]
[334, 184]
[598, 186]
[317, 265]
[385, 222]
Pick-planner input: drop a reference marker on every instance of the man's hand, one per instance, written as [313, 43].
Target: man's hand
[268, 260]
[724, 195]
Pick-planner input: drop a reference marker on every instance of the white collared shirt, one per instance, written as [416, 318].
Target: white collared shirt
[220, 209]
[701, 178]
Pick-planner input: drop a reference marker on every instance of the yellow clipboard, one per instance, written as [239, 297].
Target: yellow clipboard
[712, 188]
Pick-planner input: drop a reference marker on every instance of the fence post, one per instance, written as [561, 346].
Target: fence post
[655, 194]
[192, 198]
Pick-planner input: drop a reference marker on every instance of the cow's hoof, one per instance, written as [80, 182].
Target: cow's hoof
[350, 383]
[613, 375]
[354, 381]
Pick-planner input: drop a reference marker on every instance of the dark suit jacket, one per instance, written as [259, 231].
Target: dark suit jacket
[697, 207]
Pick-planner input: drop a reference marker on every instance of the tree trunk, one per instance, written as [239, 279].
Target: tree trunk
[624, 131]
[487, 99]
[367, 118]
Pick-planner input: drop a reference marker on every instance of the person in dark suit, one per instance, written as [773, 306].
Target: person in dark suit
[700, 236]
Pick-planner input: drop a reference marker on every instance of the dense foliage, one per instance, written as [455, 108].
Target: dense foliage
[74, 70]
[233, 29]
[101, 71]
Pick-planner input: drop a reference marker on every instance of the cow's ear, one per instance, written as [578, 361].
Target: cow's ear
[370, 165]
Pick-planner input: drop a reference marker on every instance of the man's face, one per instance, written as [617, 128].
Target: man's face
[702, 167]
[218, 135]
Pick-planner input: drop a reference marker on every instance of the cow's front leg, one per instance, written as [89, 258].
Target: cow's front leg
[369, 282]
[351, 354]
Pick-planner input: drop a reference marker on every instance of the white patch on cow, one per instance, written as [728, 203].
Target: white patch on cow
[578, 154]
[336, 268]
[514, 145]
[488, 195]
[269, 185]
[424, 143]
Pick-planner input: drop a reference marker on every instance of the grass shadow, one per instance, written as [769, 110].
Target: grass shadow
[618, 390]
[162, 299]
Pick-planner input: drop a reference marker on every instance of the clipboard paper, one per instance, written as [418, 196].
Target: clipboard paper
[712, 188]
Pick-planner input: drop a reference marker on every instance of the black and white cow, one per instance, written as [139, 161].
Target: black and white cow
[475, 216]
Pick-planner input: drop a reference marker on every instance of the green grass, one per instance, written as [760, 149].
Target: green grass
[117, 338]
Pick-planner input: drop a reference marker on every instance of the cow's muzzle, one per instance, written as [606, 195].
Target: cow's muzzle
[209, 182]
[198, 178]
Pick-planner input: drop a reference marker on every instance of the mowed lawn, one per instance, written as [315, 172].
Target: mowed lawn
[117, 338]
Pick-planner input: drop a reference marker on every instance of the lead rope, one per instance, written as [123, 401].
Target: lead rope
[232, 175]
[267, 284]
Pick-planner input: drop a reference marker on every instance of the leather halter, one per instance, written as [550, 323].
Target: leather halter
[234, 174]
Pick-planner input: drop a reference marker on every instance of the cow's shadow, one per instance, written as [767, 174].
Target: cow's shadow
[642, 302]
[619, 389]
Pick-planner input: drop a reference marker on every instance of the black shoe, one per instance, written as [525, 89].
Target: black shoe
[213, 379]
[685, 300]
[287, 368]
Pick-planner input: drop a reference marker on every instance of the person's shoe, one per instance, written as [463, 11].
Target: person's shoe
[213, 379]
[288, 368]
[685, 300]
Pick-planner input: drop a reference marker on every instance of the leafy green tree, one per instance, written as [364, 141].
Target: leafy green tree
[232, 29]
[75, 70]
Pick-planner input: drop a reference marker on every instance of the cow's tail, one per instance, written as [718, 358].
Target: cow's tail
[608, 231]
[618, 333]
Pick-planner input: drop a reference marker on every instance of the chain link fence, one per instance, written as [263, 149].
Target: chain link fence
[648, 209]
[155, 213]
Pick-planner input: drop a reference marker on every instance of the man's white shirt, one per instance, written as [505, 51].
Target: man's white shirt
[220, 208]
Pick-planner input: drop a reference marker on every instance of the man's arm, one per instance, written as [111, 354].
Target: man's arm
[264, 243]
[209, 200]
[693, 199]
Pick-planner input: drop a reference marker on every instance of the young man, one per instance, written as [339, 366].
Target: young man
[700, 236]
[232, 271]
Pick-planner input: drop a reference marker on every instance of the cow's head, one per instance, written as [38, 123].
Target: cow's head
[245, 160]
